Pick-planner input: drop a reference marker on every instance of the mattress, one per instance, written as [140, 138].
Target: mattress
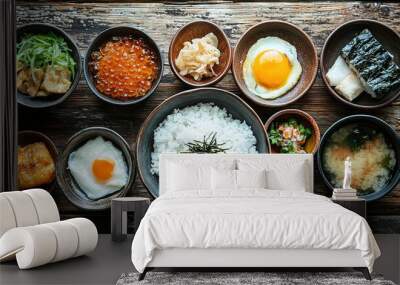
[252, 219]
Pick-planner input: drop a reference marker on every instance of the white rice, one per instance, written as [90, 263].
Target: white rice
[195, 122]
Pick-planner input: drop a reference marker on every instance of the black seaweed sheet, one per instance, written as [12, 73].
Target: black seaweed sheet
[373, 64]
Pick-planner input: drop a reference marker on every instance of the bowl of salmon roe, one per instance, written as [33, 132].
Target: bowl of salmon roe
[123, 66]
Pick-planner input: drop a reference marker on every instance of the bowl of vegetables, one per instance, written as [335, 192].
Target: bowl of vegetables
[48, 65]
[293, 131]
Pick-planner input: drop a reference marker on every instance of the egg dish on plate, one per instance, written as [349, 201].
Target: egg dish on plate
[271, 68]
[99, 168]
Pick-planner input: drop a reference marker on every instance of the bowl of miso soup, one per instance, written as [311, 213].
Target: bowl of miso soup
[374, 149]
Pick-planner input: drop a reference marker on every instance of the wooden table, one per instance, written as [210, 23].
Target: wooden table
[83, 21]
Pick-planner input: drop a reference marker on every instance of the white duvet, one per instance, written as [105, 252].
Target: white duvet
[250, 219]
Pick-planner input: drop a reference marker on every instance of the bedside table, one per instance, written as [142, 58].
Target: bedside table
[357, 206]
[119, 209]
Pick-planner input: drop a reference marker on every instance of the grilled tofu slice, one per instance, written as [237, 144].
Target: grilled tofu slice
[35, 166]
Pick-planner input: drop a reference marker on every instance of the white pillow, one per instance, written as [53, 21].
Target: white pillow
[181, 177]
[223, 179]
[297, 181]
[285, 174]
[251, 178]
[170, 180]
[231, 180]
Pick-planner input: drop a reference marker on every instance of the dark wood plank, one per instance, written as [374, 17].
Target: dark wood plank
[8, 103]
[161, 20]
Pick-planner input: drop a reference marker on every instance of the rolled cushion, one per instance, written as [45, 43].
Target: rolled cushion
[66, 238]
[7, 218]
[87, 235]
[26, 208]
[23, 208]
[37, 245]
[45, 205]
[33, 246]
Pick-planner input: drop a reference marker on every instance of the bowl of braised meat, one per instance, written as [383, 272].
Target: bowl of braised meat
[48, 65]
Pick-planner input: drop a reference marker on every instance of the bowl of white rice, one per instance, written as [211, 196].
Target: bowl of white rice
[374, 149]
[195, 115]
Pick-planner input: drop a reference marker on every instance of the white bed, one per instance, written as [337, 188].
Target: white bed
[248, 227]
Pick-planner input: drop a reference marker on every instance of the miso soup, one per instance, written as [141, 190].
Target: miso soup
[373, 158]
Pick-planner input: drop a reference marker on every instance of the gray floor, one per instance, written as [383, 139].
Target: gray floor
[103, 266]
[106, 264]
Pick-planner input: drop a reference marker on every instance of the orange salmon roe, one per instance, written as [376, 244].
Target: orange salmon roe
[124, 68]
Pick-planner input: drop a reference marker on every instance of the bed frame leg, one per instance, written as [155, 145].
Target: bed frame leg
[365, 272]
[143, 274]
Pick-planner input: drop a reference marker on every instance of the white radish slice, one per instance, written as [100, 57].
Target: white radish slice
[350, 87]
[338, 72]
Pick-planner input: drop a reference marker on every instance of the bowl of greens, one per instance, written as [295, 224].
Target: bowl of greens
[48, 65]
[292, 131]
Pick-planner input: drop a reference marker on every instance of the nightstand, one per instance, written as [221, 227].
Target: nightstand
[119, 209]
[357, 206]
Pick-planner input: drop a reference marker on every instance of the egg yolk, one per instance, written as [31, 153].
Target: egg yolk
[102, 169]
[271, 68]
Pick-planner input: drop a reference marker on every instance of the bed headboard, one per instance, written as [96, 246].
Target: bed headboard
[210, 159]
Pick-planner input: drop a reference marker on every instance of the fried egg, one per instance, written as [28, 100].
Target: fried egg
[271, 68]
[99, 168]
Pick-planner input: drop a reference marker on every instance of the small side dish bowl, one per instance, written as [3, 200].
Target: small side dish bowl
[368, 160]
[312, 143]
[306, 55]
[66, 180]
[199, 29]
[108, 35]
[30, 137]
[342, 35]
[233, 104]
[54, 99]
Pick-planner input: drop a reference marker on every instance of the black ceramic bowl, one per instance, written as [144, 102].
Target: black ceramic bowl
[53, 99]
[390, 136]
[232, 103]
[342, 35]
[68, 184]
[30, 137]
[106, 36]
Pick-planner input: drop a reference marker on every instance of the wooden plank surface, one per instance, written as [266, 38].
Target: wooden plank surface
[83, 21]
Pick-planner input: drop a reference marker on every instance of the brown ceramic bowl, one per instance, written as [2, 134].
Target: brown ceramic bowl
[306, 119]
[29, 137]
[104, 37]
[70, 186]
[54, 99]
[306, 54]
[340, 37]
[199, 29]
